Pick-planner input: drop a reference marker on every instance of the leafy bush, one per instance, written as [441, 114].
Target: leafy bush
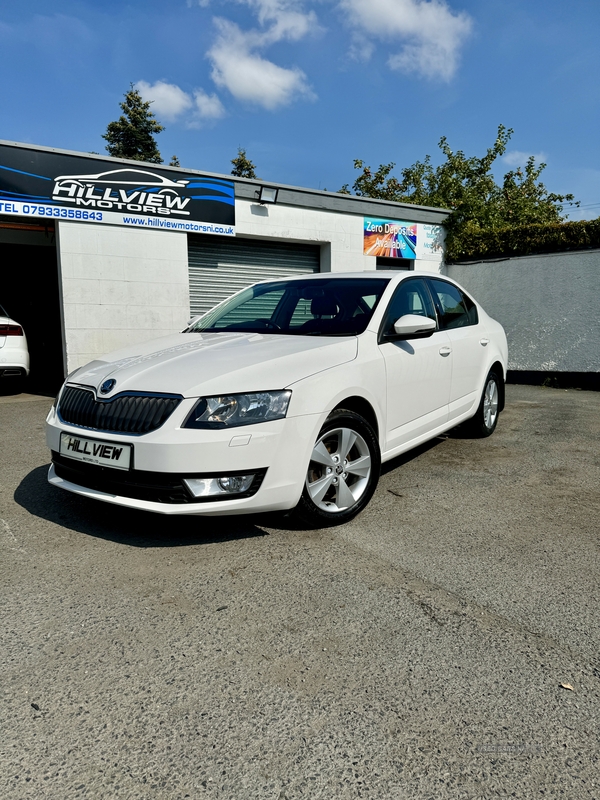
[523, 240]
[486, 218]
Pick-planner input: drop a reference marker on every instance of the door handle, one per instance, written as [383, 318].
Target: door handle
[484, 342]
[445, 351]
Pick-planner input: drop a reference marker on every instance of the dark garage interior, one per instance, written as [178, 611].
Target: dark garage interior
[29, 291]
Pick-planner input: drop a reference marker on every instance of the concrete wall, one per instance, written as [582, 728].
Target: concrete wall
[546, 304]
[120, 286]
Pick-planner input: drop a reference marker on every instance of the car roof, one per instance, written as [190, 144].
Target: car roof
[364, 274]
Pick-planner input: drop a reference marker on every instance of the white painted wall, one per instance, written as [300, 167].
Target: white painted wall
[120, 286]
[342, 232]
[546, 305]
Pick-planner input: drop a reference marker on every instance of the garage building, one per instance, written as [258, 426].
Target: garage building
[98, 253]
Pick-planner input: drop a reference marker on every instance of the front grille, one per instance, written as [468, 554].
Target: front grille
[157, 487]
[135, 413]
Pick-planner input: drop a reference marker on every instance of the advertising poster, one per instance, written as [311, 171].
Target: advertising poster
[36, 183]
[430, 242]
[389, 238]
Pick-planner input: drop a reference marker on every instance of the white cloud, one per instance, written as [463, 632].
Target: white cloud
[361, 48]
[208, 105]
[430, 32]
[287, 21]
[517, 158]
[239, 68]
[169, 102]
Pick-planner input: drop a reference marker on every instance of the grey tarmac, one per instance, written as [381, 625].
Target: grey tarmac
[444, 645]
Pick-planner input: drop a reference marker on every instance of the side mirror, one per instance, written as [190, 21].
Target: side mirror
[413, 326]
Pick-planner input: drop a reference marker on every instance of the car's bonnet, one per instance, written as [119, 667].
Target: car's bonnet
[196, 364]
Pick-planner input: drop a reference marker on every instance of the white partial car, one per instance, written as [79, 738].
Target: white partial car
[287, 396]
[14, 354]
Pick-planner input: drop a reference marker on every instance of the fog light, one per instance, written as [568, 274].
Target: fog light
[236, 483]
[211, 487]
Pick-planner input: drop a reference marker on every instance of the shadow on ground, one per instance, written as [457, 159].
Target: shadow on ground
[409, 456]
[128, 526]
[11, 387]
[147, 529]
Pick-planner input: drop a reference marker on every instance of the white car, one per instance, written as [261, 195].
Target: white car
[286, 396]
[14, 354]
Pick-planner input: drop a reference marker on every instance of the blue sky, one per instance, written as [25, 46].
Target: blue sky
[307, 86]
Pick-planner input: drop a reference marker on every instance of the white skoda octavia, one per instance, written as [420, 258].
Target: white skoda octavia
[288, 395]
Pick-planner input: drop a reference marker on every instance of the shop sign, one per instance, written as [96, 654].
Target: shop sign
[36, 183]
[396, 239]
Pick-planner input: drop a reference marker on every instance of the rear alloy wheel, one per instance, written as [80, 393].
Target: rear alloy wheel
[484, 422]
[343, 470]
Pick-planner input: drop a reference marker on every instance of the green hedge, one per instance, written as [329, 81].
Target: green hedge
[526, 240]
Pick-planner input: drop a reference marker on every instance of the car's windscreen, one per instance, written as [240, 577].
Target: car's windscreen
[323, 307]
[3, 312]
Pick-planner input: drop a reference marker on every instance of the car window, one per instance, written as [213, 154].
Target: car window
[456, 310]
[259, 309]
[302, 312]
[411, 297]
[323, 307]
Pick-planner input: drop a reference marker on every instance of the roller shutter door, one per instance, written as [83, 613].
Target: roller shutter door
[221, 266]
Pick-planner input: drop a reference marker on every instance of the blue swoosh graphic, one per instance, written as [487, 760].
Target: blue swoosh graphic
[28, 196]
[222, 187]
[31, 174]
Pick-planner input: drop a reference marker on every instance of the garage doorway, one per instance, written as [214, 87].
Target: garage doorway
[220, 266]
[29, 291]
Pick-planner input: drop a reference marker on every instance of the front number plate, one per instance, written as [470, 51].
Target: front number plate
[94, 451]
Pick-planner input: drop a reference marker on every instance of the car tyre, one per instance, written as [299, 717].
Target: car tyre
[486, 418]
[342, 473]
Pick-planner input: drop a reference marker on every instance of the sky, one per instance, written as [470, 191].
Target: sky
[307, 86]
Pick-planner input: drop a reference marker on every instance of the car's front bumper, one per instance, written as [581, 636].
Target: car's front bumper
[279, 450]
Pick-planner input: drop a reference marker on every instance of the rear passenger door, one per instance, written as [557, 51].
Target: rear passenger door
[458, 318]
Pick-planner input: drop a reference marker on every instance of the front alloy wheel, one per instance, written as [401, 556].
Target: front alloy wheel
[343, 470]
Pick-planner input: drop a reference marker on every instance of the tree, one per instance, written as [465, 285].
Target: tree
[174, 162]
[131, 135]
[242, 166]
[467, 187]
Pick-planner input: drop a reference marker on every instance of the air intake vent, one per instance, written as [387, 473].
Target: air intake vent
[135, 413]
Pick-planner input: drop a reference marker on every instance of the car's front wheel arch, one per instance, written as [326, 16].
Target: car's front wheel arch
[362, 407]
[499, 370]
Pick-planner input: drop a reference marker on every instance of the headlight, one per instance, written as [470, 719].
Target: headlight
[231, 410]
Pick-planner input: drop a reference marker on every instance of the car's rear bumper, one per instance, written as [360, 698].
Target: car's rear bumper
[14, 357]
[13, 371]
